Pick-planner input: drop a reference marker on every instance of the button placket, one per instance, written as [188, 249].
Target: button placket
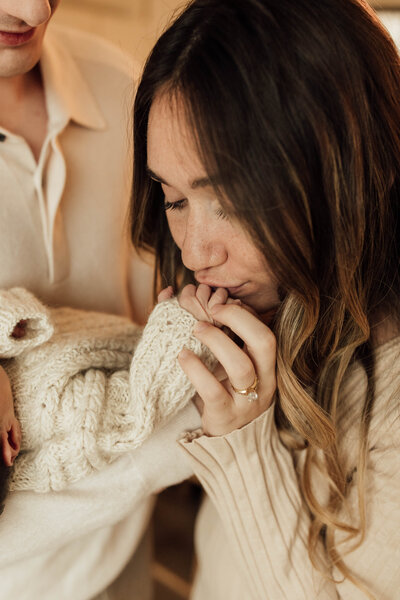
[38, 183]
[55, 184]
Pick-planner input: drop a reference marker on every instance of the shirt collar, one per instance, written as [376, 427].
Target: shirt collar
[68, 96]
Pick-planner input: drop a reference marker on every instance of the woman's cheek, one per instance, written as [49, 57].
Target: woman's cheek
[176, 228]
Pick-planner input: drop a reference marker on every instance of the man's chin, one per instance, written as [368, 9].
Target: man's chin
[18, 61]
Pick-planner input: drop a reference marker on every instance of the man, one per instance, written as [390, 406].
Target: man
[65, 170]
[65, 163]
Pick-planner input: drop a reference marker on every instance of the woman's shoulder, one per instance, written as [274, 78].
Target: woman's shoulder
[384, 414]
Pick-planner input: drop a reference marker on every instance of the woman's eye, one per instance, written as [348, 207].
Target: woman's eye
[177, 205]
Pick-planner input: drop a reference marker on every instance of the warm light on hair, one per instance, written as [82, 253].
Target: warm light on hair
[300, 118]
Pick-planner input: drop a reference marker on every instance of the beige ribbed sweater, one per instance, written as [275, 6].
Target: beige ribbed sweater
[251, 534]
[80, 397]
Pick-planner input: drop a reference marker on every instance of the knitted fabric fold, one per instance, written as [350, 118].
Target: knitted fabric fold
[82, 399]
[17, 304]
[158, 386]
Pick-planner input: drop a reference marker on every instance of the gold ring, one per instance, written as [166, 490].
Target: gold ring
[250, 392]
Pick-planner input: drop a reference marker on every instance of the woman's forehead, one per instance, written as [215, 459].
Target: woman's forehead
[168, 118]
[171, 144]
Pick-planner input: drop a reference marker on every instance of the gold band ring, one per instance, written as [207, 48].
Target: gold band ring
[250, 392]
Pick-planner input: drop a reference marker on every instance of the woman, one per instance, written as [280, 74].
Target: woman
[267, 144]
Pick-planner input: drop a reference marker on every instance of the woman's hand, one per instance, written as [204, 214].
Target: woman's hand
[201, 299]
[198, 300]
[224, 409]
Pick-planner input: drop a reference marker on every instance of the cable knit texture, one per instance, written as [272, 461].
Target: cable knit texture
[81, 398]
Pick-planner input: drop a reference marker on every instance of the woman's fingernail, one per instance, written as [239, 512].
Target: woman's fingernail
[200, 326]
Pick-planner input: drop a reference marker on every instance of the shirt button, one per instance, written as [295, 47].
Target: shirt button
[3, 137]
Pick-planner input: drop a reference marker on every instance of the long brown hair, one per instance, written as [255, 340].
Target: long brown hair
[295, 105]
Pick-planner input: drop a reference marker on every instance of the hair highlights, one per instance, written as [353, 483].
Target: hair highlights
[300, 119]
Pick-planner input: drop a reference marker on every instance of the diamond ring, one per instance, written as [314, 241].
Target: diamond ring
[250, 392]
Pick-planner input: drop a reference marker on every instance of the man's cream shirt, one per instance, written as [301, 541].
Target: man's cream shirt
[63, 219]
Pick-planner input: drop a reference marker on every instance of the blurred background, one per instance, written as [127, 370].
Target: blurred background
[134, 26]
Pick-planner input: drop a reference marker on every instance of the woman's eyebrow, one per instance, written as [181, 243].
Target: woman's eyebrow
[196, 183]
[203, 182]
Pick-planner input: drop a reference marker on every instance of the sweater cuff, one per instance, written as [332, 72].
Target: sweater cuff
[218, 461]
[199, 445]
[17, 304]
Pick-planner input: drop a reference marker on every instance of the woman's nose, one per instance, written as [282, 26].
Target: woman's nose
[202, 248]
[31, 12]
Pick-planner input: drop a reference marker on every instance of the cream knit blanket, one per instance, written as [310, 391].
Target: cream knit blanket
[80, 396]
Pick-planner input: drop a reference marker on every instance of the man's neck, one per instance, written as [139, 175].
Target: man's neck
[23, 108]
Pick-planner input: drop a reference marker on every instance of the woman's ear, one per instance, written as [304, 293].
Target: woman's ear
[11, 443]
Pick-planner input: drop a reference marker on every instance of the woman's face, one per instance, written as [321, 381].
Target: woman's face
[213, 246]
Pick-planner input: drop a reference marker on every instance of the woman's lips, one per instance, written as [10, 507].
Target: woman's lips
[8, 38]
[233, 290]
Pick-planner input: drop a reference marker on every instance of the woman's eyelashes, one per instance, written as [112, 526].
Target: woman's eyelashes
[221, 214]
[177, 205]
[180, 204]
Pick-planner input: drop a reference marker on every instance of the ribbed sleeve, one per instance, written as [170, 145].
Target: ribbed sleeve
[251, 478]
